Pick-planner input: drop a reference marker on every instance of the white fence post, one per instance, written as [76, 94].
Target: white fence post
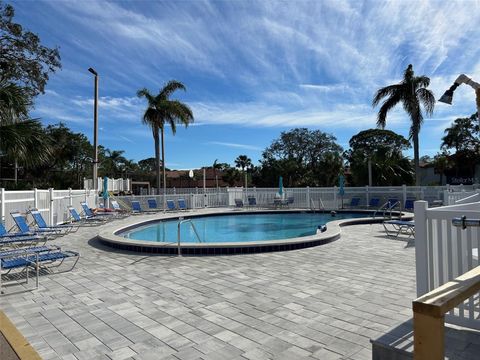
[70, 197]
[404, 190]
[2, 205]
[421, 246]
[50, 215]
[308, 197]
[35, 198]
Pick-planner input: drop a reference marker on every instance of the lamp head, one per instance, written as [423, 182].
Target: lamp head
[447, 97]
[93, 71]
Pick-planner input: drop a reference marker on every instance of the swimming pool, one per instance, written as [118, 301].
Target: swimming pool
[237, 227]
[223, 231]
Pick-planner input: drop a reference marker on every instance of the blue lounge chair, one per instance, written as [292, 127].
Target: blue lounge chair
[23, 227]
[90, 214]
[238, 203]
[182, 205]
[252, 201]
[409, 204]
[36, 257]
[136, 208]
[77, 219]
[374, 203]
[355, 202]
[399, 227]
[41, 223]
[171, 205]
[391, 203]
[152, 205]
[14, 239]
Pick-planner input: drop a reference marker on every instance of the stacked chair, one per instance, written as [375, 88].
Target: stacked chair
[25, 250]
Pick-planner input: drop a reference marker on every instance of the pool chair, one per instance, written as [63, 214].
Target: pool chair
[90, 214]
[171, 205]
[238, 203]
[182, 205]
[374, 203]
[355, 202]
[392, 203]
[152, 205]
[137, 208]
[24, 228]
[18, 239]
[40, 257]
[252, 201]
[409, 204]
[42, 224]
[117, 209]
[85, 221]
[290, 200]
[396, 228]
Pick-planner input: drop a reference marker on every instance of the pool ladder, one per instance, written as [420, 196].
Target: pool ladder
[180, 222]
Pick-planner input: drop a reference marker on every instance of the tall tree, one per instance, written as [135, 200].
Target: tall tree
[23, 59]
[381, 150]
[412, 92]
[243, 162]
[303, 158]
[162, 110]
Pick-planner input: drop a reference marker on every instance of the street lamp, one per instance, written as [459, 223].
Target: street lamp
[447, 97]
[95, 131]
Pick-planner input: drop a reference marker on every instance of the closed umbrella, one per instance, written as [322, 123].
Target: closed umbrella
[341, 184]
[105, 191]
[280, 186]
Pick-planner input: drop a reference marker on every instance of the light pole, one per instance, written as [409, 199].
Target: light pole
[95, 131]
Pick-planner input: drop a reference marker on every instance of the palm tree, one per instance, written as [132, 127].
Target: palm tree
[411, 92]
[243, 162]
[21, 139]
[160, 111]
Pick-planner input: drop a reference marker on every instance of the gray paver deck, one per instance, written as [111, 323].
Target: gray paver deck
[324, 302]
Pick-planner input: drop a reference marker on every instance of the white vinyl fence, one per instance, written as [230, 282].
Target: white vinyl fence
[51, 203]
[303, 198]
[444, 251]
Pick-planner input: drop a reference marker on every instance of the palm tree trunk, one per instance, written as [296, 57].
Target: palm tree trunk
[163, 167]
[416, 158]
[157, 158]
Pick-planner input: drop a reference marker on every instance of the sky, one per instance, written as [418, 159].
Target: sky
[252, 69]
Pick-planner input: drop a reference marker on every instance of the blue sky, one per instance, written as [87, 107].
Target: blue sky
[252, 68]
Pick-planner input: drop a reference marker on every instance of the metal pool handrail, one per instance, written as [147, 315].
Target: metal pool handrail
[180, 222]
[463, 222]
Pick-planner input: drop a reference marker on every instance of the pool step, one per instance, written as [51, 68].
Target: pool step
[397, 344]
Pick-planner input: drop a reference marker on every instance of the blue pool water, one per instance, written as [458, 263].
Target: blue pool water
[237, 228]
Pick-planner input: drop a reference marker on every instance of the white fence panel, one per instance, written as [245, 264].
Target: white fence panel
[444, 252]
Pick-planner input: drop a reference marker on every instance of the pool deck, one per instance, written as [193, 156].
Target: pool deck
[323, 302]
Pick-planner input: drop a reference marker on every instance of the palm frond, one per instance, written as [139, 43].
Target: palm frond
[170, 88]
[148, 95]
[388, 105]
[386, 92]
[421, 81]
[427, 98]
[26, 142]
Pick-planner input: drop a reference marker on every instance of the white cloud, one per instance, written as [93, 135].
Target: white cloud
[234, 145]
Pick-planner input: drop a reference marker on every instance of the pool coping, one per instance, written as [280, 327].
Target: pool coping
[108, 235]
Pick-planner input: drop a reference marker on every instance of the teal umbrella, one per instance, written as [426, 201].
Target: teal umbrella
[341, 183]
[280, 186]
[105, 188]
